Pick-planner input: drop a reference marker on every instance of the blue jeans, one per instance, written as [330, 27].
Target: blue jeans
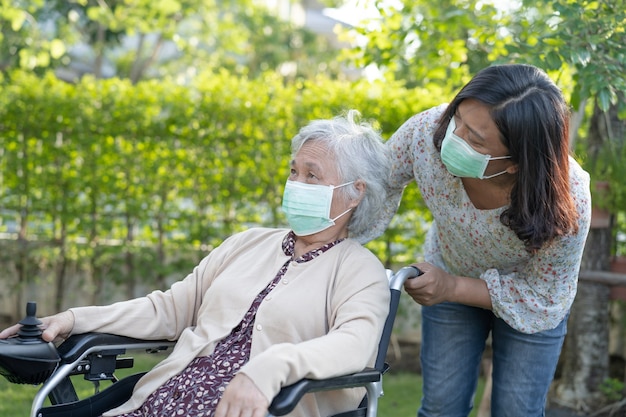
[453, 341]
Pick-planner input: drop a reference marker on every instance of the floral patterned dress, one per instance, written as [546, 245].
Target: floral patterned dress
[196, 391]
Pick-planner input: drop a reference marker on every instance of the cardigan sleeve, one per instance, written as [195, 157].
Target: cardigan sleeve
[160, 314]
[359, 307]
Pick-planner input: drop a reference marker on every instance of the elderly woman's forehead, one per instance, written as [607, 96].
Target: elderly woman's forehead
[316, 156]
[316, 148]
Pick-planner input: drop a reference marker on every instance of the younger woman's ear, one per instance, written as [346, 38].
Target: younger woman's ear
[361, 186]
[512, 169]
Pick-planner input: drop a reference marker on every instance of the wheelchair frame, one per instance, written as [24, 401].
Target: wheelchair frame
[95, 355]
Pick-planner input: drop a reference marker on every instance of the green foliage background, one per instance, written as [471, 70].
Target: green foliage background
[132, 183]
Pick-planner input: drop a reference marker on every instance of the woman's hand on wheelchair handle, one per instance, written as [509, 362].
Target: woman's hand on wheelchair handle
[434, 286]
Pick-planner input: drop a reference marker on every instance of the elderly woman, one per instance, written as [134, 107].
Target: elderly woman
[268, 306]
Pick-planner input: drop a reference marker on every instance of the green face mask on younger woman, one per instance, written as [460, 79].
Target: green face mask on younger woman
[307, 206]
[461, 159]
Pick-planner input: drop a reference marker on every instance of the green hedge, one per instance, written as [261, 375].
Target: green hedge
[159, 167]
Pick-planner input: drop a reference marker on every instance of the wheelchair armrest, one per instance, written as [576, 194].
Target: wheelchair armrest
[92, 354]
[76, 346]
[289, 396]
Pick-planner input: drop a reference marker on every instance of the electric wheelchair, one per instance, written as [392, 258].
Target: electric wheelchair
[27, 359]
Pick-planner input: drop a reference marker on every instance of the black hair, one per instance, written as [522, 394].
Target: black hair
[533, 119]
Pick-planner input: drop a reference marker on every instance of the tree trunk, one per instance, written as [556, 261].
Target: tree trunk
[585, 356]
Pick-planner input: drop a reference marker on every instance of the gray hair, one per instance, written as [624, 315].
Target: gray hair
[360, 155]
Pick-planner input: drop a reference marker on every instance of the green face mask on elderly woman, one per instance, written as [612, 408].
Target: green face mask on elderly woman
[307, 206]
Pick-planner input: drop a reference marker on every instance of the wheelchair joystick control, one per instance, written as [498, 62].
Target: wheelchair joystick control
[27, 358]
[30, 331]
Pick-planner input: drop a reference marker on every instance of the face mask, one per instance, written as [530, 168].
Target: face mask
[461, 159]
[307, 207]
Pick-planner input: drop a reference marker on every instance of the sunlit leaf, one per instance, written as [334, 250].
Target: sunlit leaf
[17, 20]
[604, 99]
[57, 48]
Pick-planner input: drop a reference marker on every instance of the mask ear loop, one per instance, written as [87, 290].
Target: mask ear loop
[350, 208]
[342, 185]
[333, 220]
[486, 177]
[339, 186]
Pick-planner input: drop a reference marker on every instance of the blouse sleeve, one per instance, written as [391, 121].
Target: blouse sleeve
[405, 147]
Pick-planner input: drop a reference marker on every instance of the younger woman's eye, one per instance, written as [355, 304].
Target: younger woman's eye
[465, 134]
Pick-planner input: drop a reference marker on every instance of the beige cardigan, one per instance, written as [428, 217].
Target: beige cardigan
[323, 319]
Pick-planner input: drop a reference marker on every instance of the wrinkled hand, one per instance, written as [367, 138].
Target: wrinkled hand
[434, 286]
[55, 328]
[242, 398]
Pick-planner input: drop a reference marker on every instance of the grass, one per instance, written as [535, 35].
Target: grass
[401, 399]
[403, 392]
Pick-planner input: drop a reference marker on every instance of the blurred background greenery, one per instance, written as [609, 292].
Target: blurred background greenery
[136, 135]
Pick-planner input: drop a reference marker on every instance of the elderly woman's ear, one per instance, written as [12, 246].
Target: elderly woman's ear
[360, 186]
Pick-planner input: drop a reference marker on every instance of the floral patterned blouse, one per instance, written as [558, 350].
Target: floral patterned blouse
[529, 292]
